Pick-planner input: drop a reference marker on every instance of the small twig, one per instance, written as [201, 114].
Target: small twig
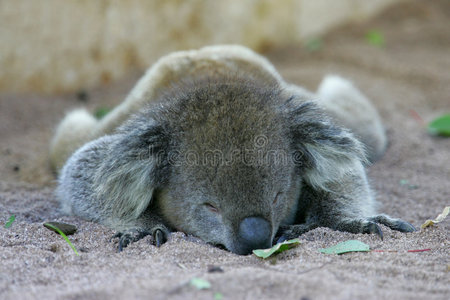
[415, 250]
[419, 250]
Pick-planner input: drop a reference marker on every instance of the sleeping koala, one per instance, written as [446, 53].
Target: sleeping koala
[214, 143]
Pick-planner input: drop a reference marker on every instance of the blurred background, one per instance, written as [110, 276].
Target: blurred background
[57, 55]
[58, 46]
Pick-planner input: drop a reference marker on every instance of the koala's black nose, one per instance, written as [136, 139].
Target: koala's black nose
[254, 233]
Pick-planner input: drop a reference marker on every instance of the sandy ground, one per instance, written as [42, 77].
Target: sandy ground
[410, 73]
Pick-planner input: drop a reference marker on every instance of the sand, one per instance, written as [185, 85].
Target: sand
[409, 74]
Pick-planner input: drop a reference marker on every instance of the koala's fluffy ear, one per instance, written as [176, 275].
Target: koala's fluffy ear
[323, 152]
[134, 167]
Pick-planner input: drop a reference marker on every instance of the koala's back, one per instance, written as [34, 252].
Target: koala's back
[80, 126]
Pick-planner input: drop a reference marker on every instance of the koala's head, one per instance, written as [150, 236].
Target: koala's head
[232, 182]
[227, 161]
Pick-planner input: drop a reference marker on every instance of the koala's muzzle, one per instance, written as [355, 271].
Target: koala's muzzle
[254, 233]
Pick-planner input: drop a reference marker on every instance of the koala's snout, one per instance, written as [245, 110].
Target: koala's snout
[254, 233]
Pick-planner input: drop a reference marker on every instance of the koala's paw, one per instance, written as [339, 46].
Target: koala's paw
[130, 236]
[292, 231]
[159, 234]
[394, 224]
[370, 225]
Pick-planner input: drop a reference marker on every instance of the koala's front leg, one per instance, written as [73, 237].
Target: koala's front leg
[349, 206]
[344, 205]
[335, 190]
[343, 221]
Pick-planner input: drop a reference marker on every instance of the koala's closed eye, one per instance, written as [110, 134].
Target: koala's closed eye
[277, 197]
[211, 207]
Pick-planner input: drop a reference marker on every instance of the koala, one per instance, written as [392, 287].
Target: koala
[214, 143]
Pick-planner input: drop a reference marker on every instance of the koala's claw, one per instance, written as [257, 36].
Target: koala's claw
[373, 227]
[130, 236]
[406, 227]
[159, 237]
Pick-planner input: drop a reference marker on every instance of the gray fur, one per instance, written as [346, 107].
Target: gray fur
[216, 150]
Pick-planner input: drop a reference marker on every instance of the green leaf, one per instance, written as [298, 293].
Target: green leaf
[278, 248]
[375, 38]
[440, 126]
[50, 226]
[347, 246]
[200, 284]
[10, 221]
[314, 45]
[101, 112]
[405, 182]
[218, 296]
